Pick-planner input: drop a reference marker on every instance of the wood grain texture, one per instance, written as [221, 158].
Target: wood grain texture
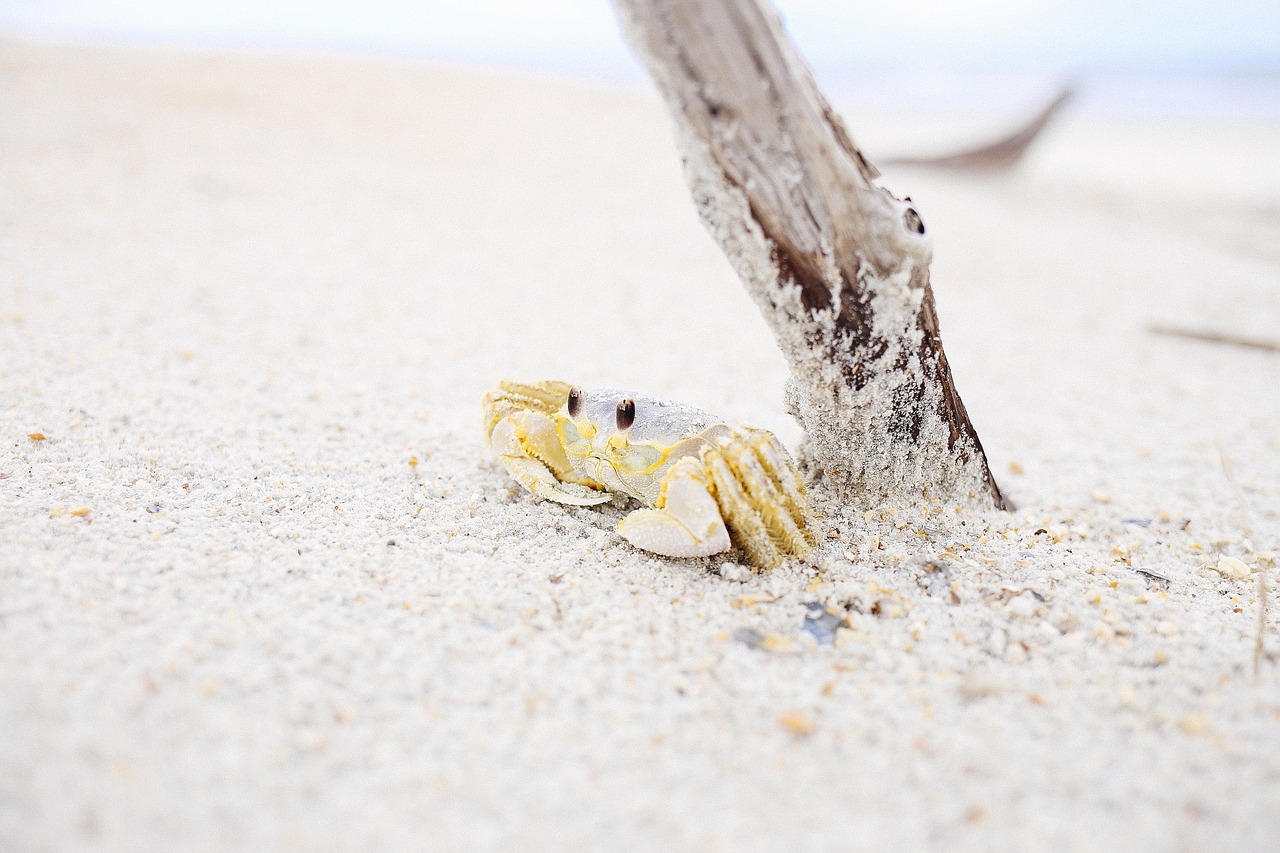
[838, 266]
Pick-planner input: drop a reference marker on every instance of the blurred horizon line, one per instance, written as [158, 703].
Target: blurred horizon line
[1224, 92]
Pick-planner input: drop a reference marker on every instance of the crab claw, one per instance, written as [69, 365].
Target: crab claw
[528, 447]
[687, 522]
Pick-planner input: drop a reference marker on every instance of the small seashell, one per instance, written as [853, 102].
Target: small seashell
[1230, 567]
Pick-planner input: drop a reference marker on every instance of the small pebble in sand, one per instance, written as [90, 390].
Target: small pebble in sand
[1022, 606]
[1152, 573]
[981, 686]
[1194, 724]
[1230, 567]
[754, 639]
[822, 623]
[797, 723]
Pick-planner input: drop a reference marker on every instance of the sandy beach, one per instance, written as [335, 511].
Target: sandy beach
[262, 586]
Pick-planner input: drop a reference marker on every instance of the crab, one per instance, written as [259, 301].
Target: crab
[707, 486]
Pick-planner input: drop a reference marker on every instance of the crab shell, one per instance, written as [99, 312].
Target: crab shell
[707, 485]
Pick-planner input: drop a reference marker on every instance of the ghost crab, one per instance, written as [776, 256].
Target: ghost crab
[706, 485]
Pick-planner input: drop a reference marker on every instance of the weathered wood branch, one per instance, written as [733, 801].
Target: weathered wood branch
[999, 156]
[1212, 337]
[838, 266]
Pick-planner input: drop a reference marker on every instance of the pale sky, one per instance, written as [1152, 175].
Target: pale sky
[580, 36]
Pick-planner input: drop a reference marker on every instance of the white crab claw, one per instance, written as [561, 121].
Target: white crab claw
[689, 522]
[517, 440]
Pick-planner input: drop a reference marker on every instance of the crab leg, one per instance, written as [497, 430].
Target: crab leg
[512, 397]
[766, 498]
[528, 447]
[686, 522]
[749, 531]
[769, 454]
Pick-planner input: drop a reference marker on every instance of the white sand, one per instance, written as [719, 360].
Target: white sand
[240, 296]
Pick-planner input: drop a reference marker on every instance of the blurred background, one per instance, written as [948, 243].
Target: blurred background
[1175, 99]
[1159, 55]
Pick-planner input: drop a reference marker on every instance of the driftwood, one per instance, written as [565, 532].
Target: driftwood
[999, 156]
[838, 266]
[1211, 337]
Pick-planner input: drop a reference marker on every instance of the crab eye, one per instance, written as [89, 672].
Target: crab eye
[626, 415]
[575, 401]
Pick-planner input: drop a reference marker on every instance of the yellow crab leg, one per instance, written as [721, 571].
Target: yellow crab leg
[765, 496]
[749, 532]
[771, 455]
[513, 397]
[529, 447]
